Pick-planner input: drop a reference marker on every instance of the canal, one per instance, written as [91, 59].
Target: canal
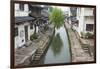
[59, 50]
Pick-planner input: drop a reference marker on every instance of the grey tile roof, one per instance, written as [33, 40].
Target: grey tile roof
[23, 19]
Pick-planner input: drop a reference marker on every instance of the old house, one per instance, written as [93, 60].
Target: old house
[23, 24]
[72, 13]
[82, 20]
[85, 17]
[28, 19]
[40, 13]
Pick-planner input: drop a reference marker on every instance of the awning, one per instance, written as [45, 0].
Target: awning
[23, 19]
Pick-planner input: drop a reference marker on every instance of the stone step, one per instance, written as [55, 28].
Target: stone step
[38, 54]
[35, 62]
[36, 58]
[39, 50]
[85, 48]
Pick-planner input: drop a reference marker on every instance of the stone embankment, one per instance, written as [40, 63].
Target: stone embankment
[78, 54]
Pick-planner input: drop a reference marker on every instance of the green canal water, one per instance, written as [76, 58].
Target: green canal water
[59, 50]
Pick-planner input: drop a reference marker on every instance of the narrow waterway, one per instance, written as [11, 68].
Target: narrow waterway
[58, 51]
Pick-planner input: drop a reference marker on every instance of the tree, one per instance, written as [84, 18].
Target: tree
[57, 17]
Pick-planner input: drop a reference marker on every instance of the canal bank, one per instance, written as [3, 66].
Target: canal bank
[78, 54]
[25, 55]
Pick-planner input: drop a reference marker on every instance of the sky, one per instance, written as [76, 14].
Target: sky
[63, 8]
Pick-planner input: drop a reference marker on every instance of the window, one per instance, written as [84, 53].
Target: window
[89, 27]
[31, 26]
[16, 31]
[21, 6]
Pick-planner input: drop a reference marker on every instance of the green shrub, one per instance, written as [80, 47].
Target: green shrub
[88, 35]
[46, 28]
[33, 36]
[73, 29]
[82, 34]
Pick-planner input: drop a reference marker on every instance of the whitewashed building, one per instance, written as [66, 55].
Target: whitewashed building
[23, 24]
[85, 17]
[85, 21]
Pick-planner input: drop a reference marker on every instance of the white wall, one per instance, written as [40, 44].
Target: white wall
[18, 12]
[30, 31]
[81, 21]
[26, 7]
[89, 20]
[88, 12]
[19, 38]
[85, 16]
[16, 6]
[20, 41]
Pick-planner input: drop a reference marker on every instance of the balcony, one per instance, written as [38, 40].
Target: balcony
[21, 13]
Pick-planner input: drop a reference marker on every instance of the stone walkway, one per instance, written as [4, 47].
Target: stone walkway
[78, 54]
[23, 54]
[87, 44]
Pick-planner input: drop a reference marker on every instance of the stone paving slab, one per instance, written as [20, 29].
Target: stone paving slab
[22, 53]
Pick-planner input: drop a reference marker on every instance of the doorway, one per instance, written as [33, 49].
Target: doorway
[26, 33]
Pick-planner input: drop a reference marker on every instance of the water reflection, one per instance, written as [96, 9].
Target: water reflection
[58, 51]
[57, 44]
